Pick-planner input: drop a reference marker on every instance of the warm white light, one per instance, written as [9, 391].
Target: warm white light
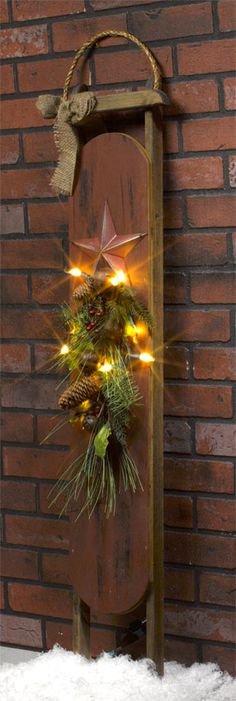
[64, 349]
[118, 278]
[75, 272]
[146, 358]
[106, 367]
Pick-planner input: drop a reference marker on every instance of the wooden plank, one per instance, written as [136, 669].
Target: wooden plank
[109, 558]
[130, 100]
[155, 632]
[81, 626]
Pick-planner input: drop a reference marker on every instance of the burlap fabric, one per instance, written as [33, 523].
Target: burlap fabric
[68, 113]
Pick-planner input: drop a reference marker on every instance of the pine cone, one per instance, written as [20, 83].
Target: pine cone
[84, 388]
[83, 290]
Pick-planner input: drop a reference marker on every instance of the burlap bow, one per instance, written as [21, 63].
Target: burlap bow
[69, 113]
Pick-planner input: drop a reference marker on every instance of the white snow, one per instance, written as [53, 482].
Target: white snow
[59, 675]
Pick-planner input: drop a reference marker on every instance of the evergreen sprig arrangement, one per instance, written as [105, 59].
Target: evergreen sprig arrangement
[103, 323]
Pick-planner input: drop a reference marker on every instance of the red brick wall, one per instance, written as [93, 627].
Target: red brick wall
[193, 41]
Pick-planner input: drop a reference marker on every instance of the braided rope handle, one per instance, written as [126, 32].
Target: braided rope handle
[113, 33]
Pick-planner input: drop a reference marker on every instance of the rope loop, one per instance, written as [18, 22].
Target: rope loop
[104, 35]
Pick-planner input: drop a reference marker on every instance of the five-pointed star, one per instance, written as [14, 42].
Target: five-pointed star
[111, 249]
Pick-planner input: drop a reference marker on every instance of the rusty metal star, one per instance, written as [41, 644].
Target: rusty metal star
[110, 249]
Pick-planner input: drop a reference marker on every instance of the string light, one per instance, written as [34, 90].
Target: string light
[130, 330]
[141, 329]
[118, 278]
[64, 349]
[146, 357]
[106, 367]
[75, 272]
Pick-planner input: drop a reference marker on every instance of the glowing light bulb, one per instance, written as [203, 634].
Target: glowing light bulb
[106, 367]
[118, 278]
[146, 357]
[130, 330]
[64, 349]
[141, 329]
[75, 272]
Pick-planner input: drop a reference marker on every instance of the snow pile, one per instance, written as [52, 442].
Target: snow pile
[64, 676]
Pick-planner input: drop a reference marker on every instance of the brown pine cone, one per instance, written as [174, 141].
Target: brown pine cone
[84, 388]
[83, 290]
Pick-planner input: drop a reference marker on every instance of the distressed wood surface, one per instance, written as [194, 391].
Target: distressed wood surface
[109, 558]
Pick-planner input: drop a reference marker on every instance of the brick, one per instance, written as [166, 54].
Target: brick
[216, 439]
[199, 549]
[217, 589]
[37, 532]
[9, 149]
[209, 134]
[4, 16]
[50, 218]
[16, 427]
[232, 171]
[45, 355]
[179, 584]
[213, 288]
[60, 634]
[24, 41]
[45, 501]
[183, 652]
[50, 289]
[32, 462]
[211, 210]
[171, 139]
[223, 656]
[44, 75]
[177, 436]
[193, 96]
[175, 288]
[200, 623]
[39, 147]
[197, 400]
[193, 173]
[14, 562]
[35, 9]
[211, 56]
[173, 216]
[12, 219]
[46, 424]
[25, 114]
[199, 475]
[230, 93]
[7, 83]
[55, 568]
[227, 15]
[21, 631]
[178, 511]
[26, 183]
[30, 394]
[19, 496]
[67, 36]
[216, 514]
[170, 22]
[127, 66]
[14, 289]
[196, 325]
[15, 358]
[44, 601]
[176, 363]
[214, 364]
[112, 4]
[32, 254]
[30, 324]
[196, 249]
